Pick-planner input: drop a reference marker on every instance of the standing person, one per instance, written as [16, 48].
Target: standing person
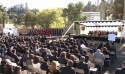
[112, 47]
[99, 59]
[99, 55]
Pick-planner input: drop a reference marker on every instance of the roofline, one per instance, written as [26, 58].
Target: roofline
[101, 21]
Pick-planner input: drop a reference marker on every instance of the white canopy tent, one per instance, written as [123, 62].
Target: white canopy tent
[105, 25]
[111, 26]
[10, 28]
[102, 23]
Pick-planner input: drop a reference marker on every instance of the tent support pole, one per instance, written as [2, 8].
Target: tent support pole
[67, 30]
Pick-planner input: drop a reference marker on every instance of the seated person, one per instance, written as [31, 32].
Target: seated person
[15, 56]
[105, 51]
[54, 67]
[99, 56]
[68, 69]
[62, 59]
[121, 70]
[45, 65]
[2, 66]
[82, 65]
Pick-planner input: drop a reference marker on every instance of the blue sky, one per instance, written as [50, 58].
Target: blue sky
[42, 4]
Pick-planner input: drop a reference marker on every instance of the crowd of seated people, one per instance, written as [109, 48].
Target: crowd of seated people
[37, 55]
[100, 33]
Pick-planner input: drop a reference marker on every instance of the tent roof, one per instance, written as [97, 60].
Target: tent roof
[102, 23]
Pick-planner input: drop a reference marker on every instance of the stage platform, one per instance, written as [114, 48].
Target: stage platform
[118, 40]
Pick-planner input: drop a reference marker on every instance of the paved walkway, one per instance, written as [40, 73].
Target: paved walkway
[120, 59]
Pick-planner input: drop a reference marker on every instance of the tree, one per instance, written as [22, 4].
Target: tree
[65, 15]
[79, 9]
[117, 9]
[50, 18]
[35, 11]
[16, 13]
[3, 15]
[108, 7]
[58, 22]
[89, 7]
[30, 19]
[73, 12]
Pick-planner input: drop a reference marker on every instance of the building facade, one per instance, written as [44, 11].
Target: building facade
[92, 15]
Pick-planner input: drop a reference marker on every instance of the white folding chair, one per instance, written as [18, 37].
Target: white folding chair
[42, 71]
[24, 64]
[12, 59]
[25, 72]
[81, 71]
[112, 52]
[0, 61]
[8, 57]
[36, 67]
[107, 58]
[92, 68]
[30, 66]
[99, 62]
[30, 69]
[62, 65]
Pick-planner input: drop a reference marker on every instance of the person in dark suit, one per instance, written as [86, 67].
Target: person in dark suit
[45, 65]
[15, 56]
[68, 69]
[3, 66]
[54, 57]
[121, 70]
[82, 65]
[25, 56]
[62, 59]
[113, 49]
